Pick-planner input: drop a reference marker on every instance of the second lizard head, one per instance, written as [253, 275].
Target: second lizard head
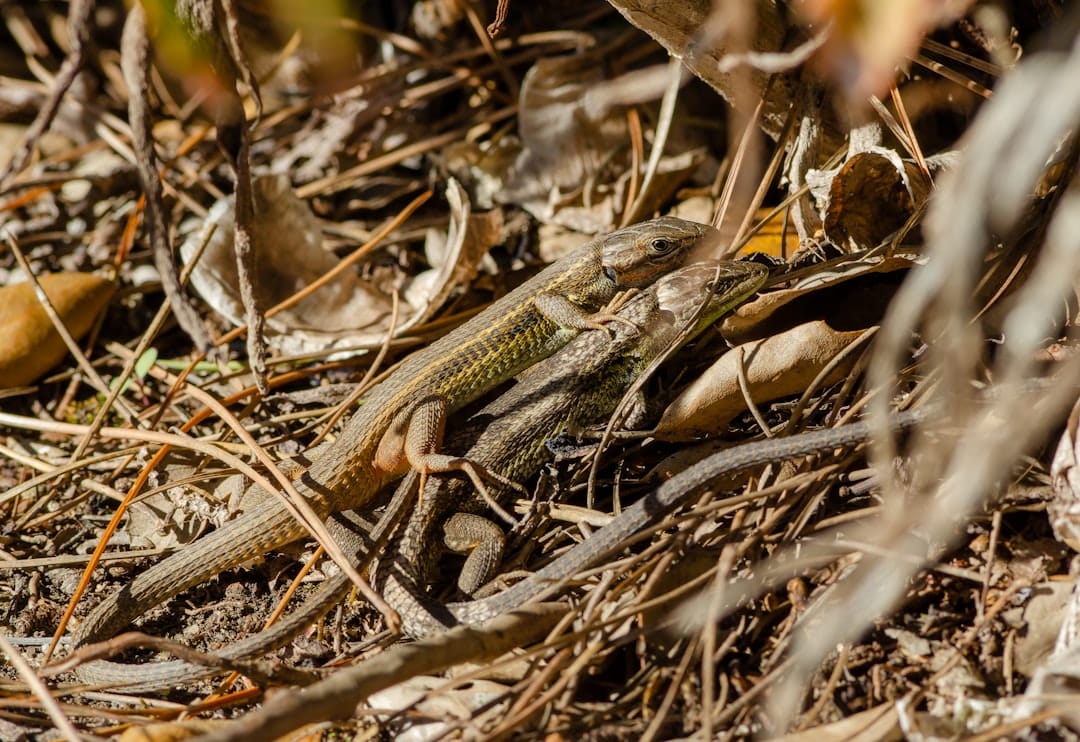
[720, 285]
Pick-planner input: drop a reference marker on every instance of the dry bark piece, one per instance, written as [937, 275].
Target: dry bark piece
[135, 63]
[29, 344]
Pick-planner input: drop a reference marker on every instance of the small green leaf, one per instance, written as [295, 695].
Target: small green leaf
[145, 362]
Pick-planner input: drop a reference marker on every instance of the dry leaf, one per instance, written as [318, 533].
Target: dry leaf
[774, 237]
[777, 366]
[869, 39]
[455, 256]
[346, 312]
[443, 707]
[848, 295]
[289, 256]
[1040, 619]
[571, 165]
[871, 197]
[1064, 509]
[782, 359]
[678, 27]
[872, 194]
[565, 140]
[29, 344]
[163, 520]
[1056, 675]
[879, 724]
[170, 731]
[656, 618]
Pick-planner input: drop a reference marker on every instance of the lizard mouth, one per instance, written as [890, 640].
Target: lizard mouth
[637, 276]
[744, 278]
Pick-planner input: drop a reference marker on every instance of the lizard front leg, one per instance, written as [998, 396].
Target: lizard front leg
[565, 313]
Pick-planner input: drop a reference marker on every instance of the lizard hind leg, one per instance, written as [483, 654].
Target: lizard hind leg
[481, 541]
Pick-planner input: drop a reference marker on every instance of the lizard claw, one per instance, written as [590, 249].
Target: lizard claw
[604, 320]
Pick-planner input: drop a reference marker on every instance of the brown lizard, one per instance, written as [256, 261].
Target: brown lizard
[400, 422]
[579, 385]
[339, 694]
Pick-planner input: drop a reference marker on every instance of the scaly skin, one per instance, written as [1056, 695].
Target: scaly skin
[579, 385]
[526, 325]
[351, 685]
[650, 509]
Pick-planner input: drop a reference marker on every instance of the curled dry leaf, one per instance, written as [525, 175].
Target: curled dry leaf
[776, 366]
[566, 132]
[29, 344]
[455, 256]
[346, 312]
[689, 31]
[1064, 509]
[871, 197]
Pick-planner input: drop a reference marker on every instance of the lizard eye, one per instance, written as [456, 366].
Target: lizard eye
[662, 246]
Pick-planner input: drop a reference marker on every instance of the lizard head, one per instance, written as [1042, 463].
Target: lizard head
[721, 285]
[638, 254]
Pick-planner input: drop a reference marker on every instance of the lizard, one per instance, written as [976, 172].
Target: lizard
[338, 694]
[400, 423]
[580, 384]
